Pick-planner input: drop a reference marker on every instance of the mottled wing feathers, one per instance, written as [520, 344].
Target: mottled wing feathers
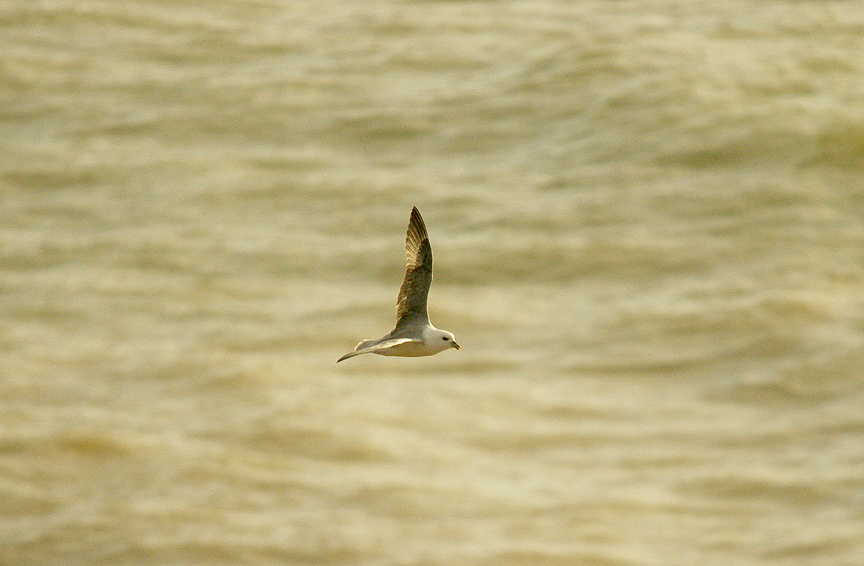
[411, 304]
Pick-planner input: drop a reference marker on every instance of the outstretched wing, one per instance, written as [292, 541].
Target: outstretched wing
[411, 304]
[374, 346]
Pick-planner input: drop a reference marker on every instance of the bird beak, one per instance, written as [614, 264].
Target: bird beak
[455, 345]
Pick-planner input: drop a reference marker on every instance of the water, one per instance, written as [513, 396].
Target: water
[647, 221]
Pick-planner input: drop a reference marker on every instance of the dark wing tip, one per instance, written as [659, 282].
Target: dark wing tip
[414, 239]
[416, 219]
[416, 224]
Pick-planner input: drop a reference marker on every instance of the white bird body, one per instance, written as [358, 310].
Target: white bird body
[413, 335]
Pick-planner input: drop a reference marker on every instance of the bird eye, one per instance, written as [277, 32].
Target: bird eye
[445, 338]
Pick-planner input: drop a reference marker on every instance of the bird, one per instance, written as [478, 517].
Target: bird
[413, 335]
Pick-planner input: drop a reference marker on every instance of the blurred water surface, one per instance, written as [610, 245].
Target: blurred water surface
[648, 227]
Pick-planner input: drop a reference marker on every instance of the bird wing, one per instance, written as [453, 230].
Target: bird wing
[362, 348]
[411, 304]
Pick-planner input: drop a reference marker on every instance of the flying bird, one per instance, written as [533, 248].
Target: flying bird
[413, 335]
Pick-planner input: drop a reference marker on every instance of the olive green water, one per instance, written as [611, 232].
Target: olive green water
[648, 228]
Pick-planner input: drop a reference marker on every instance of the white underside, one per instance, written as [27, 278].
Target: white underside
[404, 347]
[429, 341]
